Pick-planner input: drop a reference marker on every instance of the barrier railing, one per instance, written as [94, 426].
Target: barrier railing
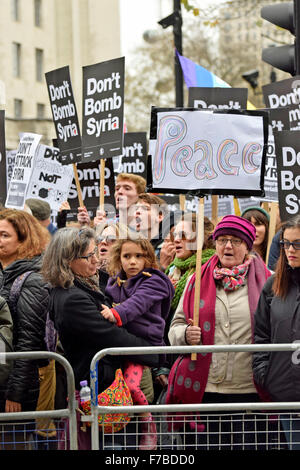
[69, 413]
[200, 407]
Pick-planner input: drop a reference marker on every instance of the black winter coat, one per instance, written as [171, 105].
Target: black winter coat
[83, 332]
[278, 321]
[28, 329]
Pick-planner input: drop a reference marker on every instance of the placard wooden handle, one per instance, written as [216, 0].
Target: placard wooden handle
[200, 237]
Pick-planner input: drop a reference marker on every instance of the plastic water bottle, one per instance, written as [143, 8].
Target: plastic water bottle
[85, 391]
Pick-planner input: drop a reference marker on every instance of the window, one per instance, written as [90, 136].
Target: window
[38, 13]
[16, 59]
[15, 10]
[39, 67]
[18, 105]
[40, 111]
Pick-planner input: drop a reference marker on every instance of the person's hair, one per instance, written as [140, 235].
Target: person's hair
[115, 264]
[121, 229]
[282, 278]
[66, 245]
[191, 217]
[33, 238]
[260, 219]
[139, 182]
[152, 199]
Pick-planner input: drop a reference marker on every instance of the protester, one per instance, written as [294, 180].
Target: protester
[276, 321]
[141, 296]
[70, 265]
[231, 282]
[148, 214]
[41, 210]
[22, 241]
[127, 188]
[6, 340]
[261, 219]
[167, 249]
[181, 268]
[275, 250]
[106, 235]
[185, 244]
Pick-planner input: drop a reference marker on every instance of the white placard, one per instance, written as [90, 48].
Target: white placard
[24, 164]
[198, 150]
[50, 180]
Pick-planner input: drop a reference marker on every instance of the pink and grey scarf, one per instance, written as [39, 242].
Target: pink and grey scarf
[233, 278]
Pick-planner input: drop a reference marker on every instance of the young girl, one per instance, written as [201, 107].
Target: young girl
[141, 296]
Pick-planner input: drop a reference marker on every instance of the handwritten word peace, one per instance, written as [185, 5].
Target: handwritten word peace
[172, 130]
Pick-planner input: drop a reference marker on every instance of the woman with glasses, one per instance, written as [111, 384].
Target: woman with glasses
[70, 266]
[231, 283]
[106, 235]
[182, 267]
[277, 321]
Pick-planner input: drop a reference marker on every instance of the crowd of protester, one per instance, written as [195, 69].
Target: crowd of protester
[130, 281]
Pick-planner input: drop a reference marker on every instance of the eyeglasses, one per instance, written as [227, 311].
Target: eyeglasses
[183, 236]
[286, 244]
[233, 241]
[90, 255]
[107, 239]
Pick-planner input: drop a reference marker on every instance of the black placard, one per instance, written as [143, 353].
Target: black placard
[134, 157]
[64, 115]
[287, 144]
[89, 178]
[103, 108]
[218, 98]
[285, 93]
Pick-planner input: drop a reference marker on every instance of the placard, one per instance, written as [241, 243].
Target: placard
[285, 93]
[287, 145]
[210, 152]
[24, 164]
[134, 156]
[278, 121]
[217, 98]
[50, 180]
[103, 108]
[64, 115]
[89, 178]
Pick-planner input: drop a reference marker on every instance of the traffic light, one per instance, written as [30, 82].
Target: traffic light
[286, 15]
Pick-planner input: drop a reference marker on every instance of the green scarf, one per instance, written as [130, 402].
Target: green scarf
[187, 267]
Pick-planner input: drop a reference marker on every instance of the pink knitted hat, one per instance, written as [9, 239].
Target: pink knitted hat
[237, 227]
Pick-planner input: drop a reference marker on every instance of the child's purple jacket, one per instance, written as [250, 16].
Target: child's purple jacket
[144, 303]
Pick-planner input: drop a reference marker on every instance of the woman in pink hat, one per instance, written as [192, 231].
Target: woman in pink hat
[231, 283]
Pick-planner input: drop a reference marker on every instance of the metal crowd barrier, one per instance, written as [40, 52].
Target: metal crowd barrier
[68, 413]
[225, 409]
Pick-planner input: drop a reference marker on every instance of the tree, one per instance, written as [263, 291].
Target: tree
[150, 77]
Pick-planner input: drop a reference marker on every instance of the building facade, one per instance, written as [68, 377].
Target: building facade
[37, 36]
